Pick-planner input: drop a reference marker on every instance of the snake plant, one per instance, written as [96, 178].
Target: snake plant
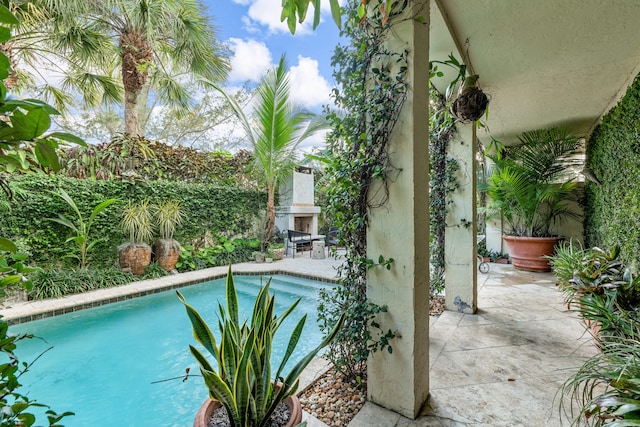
[243, 382]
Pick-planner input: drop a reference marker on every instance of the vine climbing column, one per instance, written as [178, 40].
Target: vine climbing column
[399, 380]
[460, 270]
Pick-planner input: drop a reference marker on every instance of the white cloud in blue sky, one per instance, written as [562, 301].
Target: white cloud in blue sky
[251, 58]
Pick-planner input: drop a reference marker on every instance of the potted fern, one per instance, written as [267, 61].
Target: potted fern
[135, 255]
[530, 189]
[166, 250]
[242, 383]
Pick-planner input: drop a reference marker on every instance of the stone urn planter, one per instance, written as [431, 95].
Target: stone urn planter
[529, 253]
[166, 253]
[209, 407]
[134, 257]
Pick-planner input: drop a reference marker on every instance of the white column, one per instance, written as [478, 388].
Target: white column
[400, 229]
[461, 274]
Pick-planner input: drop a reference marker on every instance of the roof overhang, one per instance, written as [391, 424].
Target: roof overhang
[543, 63]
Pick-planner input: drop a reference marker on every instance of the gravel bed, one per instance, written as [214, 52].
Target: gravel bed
[334, 401]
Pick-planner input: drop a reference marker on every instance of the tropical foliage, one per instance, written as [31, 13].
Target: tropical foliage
[612, 210]
[275, 132]
[244, 382]
[79, 227]
[605, 391]
[119, 50]
[23, 146]
[371, 95]
[129, 158]
[209, 209]
[530, 185]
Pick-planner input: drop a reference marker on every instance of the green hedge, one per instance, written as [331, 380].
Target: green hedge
[612, 208]
[229, 212]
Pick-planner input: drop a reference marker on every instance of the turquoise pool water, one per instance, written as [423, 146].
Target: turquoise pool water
[105, 359]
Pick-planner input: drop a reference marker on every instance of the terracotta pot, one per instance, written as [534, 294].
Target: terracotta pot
[134, 257]
[527, 253]
[167, 253]
[209, 407]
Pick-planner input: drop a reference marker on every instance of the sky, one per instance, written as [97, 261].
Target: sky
[257, 39]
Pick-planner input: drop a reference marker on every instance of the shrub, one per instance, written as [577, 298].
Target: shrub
[208, 209]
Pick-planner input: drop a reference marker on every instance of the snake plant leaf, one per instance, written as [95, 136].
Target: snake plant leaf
[299, 367]
[204, 363]
[293, 342]
[201, 331]
[284, 315]
[221, 392]
[228, 357]
[242, 382]
[232, 297]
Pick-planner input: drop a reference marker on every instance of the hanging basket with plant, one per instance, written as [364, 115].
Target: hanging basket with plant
[470, 102]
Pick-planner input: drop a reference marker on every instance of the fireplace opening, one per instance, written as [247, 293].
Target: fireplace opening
[303, 223]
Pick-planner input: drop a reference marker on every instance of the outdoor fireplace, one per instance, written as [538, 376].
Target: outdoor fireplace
[296, 210]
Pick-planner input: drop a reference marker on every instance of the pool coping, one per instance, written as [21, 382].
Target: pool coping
[27, 311]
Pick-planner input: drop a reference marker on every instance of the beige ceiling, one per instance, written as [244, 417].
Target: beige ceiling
[542, 62]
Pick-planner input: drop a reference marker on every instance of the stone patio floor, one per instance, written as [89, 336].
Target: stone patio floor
[503, 366]
[500, 367]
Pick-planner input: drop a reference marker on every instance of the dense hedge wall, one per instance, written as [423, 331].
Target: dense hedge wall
[220, 211]
[612, 211]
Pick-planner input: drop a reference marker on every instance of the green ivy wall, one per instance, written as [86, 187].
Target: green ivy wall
[221, 211]
[612, 211]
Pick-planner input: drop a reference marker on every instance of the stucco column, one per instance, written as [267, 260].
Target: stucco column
[460, 270]
[400, 230]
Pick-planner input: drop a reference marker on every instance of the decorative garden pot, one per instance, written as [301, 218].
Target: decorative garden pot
[210, 406]
[167, 253]
[134, 257]
[528, 253]
[278, 254]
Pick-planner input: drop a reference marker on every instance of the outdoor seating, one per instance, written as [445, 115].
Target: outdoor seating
[295, 238]
[332, 239]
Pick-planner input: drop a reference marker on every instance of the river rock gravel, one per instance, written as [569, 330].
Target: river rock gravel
[334, 400]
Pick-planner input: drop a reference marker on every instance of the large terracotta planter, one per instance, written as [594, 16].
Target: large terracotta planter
[134, 257]
[167, 253]
[528, 253]
[209, 407]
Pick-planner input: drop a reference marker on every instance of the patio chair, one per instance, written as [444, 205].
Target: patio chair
[295, 238]
[332, 239]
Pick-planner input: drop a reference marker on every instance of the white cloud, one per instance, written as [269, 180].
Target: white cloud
[251, 59]
[308, 88]
[267, 13]
[317, 140]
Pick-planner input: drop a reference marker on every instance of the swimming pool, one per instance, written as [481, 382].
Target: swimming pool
[105, 359]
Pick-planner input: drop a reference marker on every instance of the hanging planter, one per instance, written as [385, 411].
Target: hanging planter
[471, 102]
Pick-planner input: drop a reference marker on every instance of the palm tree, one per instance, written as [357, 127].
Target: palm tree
[147, 47]
[275, 132]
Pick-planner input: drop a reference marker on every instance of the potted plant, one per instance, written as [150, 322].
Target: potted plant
[277, 251]
[135, 255]
[530, 190]
[242, 383]
[168, 215]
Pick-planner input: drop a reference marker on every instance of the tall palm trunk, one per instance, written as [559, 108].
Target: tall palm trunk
[271, 212]
[136, 55]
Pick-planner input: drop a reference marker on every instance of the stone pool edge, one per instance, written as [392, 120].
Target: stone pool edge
[27, 311]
